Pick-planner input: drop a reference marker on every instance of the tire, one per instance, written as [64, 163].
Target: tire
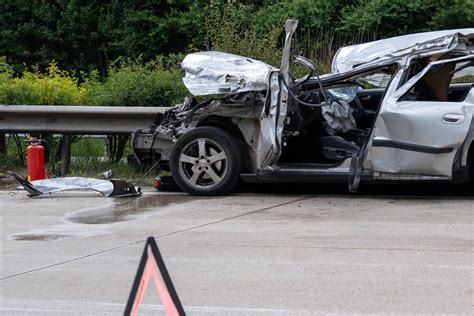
[206, 161]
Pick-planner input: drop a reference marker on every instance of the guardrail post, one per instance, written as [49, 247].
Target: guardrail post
[3, 146]
[65, 154]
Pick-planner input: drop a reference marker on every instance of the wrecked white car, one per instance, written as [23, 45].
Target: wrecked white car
[397, 109]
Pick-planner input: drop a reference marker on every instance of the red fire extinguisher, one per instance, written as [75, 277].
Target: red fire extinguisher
[35, 158]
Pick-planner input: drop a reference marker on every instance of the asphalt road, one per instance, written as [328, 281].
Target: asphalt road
[284, 250]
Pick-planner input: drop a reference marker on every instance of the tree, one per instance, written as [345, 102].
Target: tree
[85, 34]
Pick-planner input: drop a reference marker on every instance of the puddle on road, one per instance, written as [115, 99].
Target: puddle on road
[116, 210]
[123, 209]
[37, 237]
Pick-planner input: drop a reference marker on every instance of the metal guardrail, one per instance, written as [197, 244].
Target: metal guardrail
[90, 120]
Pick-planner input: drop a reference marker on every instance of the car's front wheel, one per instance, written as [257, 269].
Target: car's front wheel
[206, 161]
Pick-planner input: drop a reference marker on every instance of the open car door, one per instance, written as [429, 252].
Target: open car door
[274, 111]
[420, 128]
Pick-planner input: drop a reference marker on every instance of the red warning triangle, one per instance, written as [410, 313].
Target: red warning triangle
[152, 267]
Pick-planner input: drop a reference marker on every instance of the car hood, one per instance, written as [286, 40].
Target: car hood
[222, 73]
[398, 47]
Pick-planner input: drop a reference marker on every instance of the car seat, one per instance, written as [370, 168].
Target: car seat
[337, 148]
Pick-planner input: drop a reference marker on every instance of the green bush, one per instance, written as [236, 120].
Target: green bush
[54, 87]
[132, 83]
[129, 83]
[6, 71]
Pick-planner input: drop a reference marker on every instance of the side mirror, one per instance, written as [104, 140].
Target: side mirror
[305, 62]
[310, 65]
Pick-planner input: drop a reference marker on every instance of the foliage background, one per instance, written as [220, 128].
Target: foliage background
[127, 52]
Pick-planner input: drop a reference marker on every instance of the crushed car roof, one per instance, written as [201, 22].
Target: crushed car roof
[221, 73]
[393, 48]
[213, 72]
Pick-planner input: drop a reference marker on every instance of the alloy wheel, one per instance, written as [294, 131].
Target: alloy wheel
[203, 163]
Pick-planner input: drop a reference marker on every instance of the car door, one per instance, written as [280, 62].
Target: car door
[274, 112]
[271, 124]
[417, 137]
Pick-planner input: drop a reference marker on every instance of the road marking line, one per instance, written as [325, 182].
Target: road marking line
[156, 237]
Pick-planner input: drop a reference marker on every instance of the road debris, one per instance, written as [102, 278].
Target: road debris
[108, 188]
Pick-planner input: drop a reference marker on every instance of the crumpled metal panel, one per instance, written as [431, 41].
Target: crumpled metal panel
[73, 183]
[272, 119]
[109, 188]
[394, 160]
[419, 123]
[222, 73]
[268, 148]
[394, 48]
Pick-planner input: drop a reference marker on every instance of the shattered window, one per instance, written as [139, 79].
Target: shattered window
[449, 82]
[378, 79]
[464, 73]
[416, 66]
[375, 80]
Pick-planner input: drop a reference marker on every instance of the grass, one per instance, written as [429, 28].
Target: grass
[87, 161]
[92, 167]
[88, 147]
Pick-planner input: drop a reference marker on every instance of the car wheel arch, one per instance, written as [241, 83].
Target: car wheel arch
[223, 123]
[226, 124]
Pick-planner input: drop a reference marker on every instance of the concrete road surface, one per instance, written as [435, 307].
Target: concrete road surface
[258, 253]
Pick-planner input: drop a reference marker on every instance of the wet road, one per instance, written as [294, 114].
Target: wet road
[266, 250]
